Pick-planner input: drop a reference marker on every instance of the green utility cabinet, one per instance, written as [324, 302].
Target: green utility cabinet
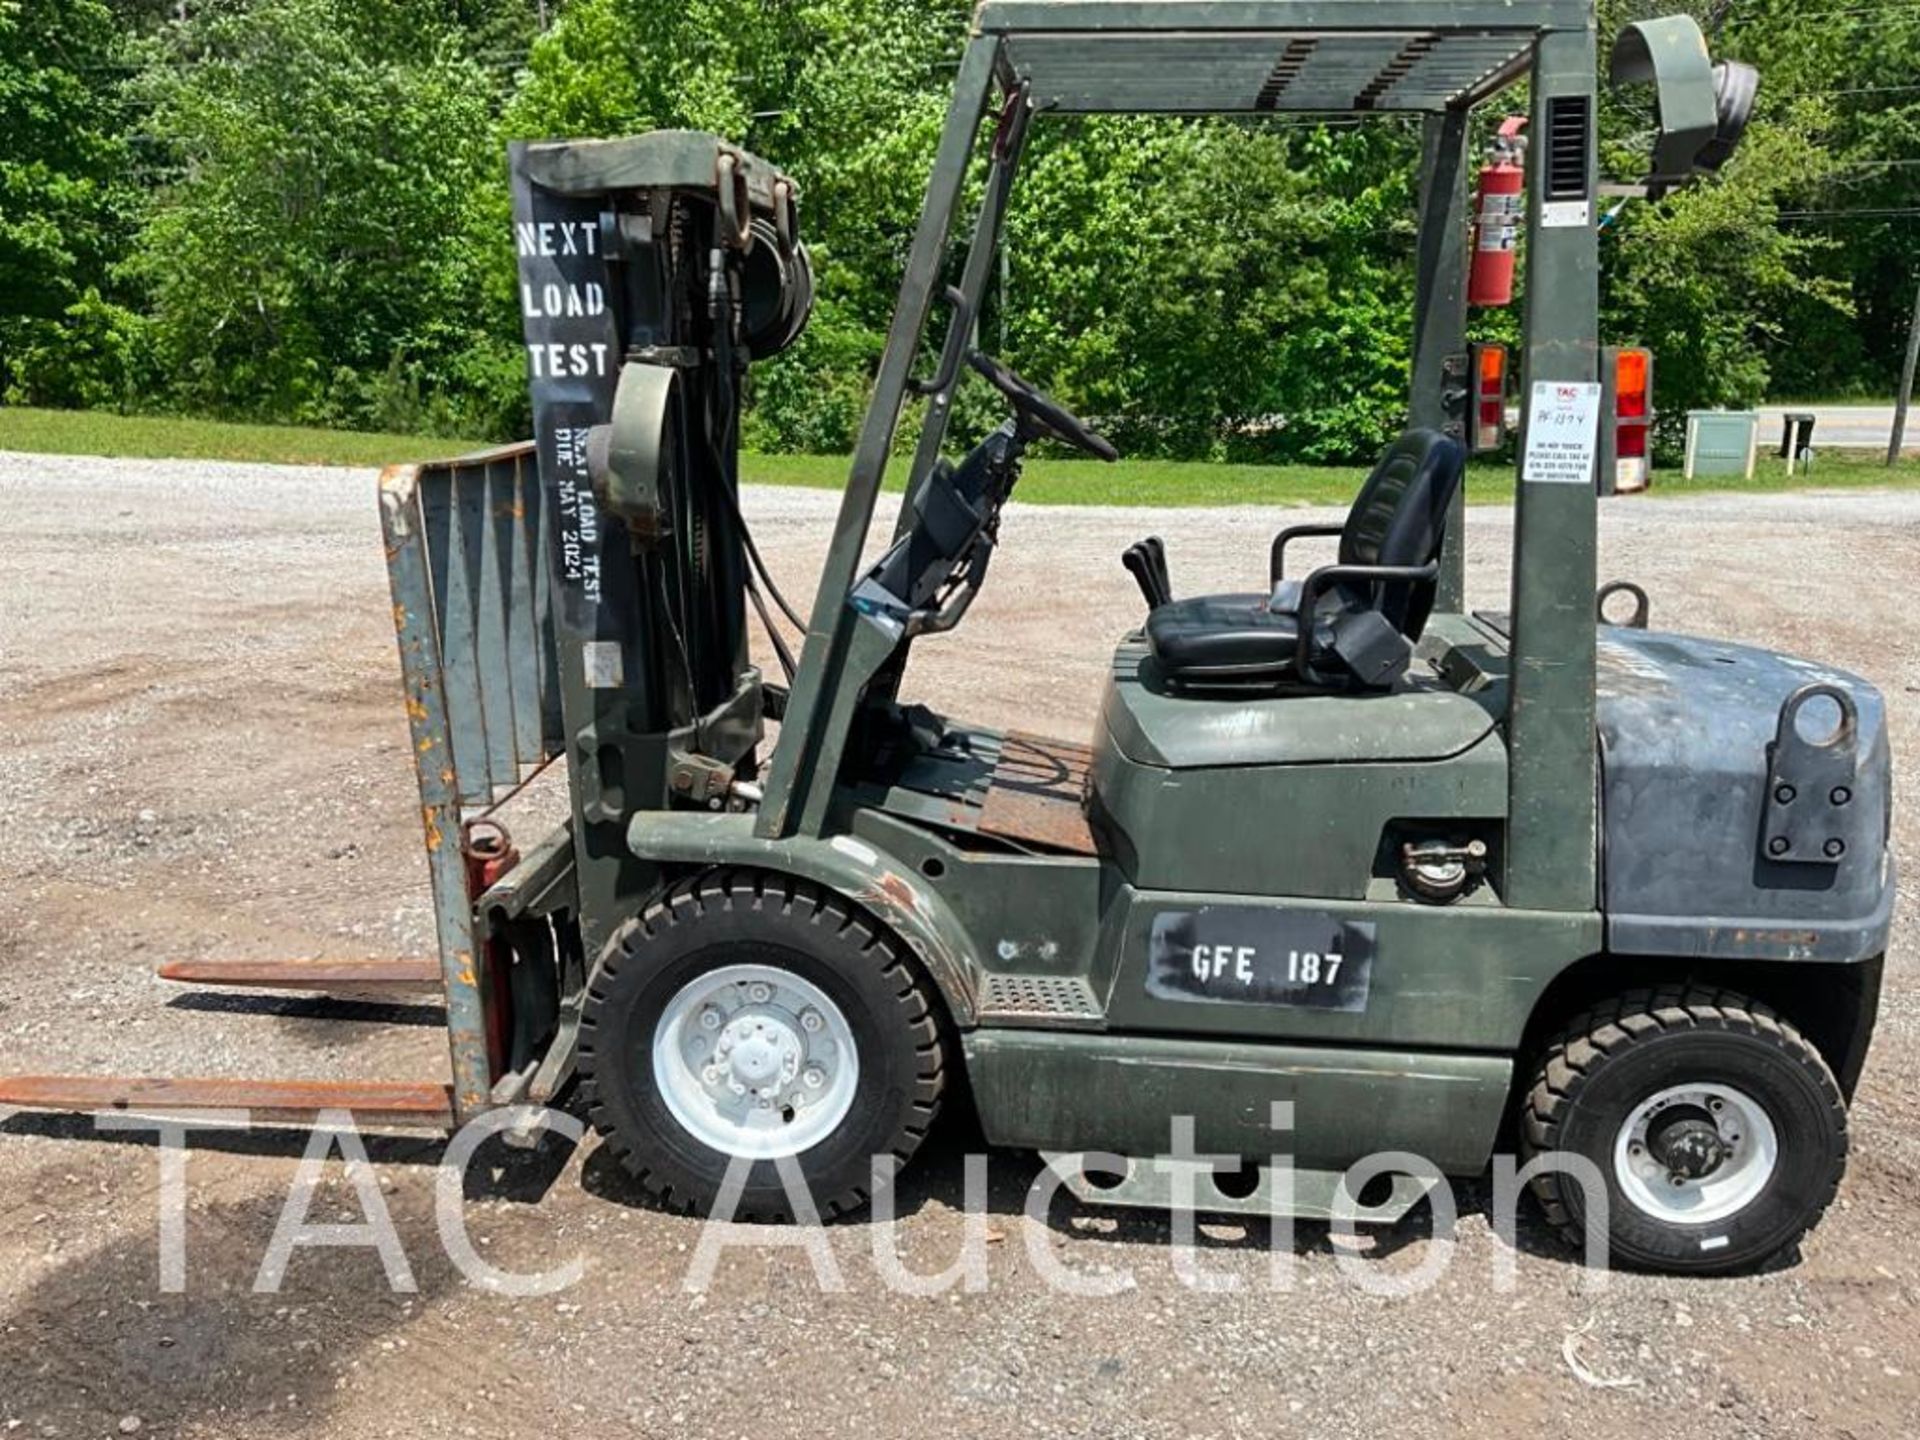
[1721, 442]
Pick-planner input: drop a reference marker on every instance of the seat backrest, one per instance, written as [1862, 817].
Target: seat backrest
[1400, 518]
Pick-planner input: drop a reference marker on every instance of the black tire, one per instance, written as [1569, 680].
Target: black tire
[1613, 1058]
[734, 917]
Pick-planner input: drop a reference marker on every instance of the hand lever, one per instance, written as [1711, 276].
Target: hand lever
[1156, 549]
[1139, 563]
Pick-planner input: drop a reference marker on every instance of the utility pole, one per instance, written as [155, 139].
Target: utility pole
[1899, 436]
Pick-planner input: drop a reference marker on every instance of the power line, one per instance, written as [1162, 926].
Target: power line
[1849, 90]
[1886, 11]
[1889, 212]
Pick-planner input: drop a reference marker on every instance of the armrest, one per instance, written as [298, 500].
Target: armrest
[1325, 578]
[1277, 563]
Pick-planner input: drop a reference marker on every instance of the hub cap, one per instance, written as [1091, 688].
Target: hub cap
[755, 1062]
[1695, 1154]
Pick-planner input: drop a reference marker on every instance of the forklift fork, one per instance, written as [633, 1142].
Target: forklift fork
[468, 543]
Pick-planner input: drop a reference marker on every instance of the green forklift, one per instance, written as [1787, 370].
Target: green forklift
[1442, 879]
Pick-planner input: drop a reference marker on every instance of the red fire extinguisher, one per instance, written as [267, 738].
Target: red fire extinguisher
[1497, 211]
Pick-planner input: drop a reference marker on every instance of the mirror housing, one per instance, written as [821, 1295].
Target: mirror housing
[1703, 107]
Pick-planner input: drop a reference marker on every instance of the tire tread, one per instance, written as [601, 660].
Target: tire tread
[1609, 1028]
[723, 890]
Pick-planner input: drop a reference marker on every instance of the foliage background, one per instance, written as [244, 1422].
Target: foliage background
[295, 211]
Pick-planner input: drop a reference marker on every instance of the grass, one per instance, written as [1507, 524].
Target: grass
[1152, 484]
[167, 437]
[1832, 470]
[1149, 483]
[1172, 484]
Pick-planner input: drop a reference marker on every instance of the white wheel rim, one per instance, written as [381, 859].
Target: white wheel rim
[755, 1062]
[1751, 1150]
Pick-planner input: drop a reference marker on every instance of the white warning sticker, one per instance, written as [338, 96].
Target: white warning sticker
[603, 664]
[1563, 431]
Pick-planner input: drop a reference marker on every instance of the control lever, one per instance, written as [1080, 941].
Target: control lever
[1156, 549]
[1146, 561]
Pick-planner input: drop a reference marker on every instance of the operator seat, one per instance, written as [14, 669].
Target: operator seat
[1350, 625]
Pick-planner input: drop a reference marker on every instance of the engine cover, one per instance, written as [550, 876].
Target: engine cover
[1687, 739]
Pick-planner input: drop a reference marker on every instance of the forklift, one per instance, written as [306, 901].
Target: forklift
[1443, 879]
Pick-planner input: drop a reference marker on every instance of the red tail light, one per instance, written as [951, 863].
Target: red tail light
[1630, 374]
[1489, 412]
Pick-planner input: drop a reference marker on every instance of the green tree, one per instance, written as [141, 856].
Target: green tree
[62, 191]
[1794, 272]
[1704, 276]
[1219, 289]
[1848, 79]
[324, 229]
[308, 259]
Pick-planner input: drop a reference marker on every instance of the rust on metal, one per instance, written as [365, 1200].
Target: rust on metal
[1038, 794]
[374, 1102]
[307, 974]
[894, 891]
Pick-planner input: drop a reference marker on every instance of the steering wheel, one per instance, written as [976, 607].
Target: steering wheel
[1039, 412]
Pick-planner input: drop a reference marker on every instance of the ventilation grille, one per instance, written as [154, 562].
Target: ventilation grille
[1569, 135]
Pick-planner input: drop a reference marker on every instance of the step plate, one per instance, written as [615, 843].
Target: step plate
[372, 1102]
[1057, 1002]
[306, 974]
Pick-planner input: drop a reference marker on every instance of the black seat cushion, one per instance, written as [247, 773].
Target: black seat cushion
[1398, 518]
[1224, 639]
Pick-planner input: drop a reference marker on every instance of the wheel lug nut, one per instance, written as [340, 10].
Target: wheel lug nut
[709, 1019]
[810, 1021]
[814, 1078]
[759, 994]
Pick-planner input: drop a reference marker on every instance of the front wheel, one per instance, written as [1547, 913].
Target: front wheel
[747, 1019]
[1714, 1126]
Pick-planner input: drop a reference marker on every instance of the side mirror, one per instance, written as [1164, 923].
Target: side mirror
[1703, 107]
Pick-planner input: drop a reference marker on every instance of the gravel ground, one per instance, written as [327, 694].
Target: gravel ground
[204, 755]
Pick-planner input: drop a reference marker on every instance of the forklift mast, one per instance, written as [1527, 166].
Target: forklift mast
[652, 269]
[584, 597]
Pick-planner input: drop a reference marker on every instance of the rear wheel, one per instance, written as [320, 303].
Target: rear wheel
[748, 1019]
[1715, 1126]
